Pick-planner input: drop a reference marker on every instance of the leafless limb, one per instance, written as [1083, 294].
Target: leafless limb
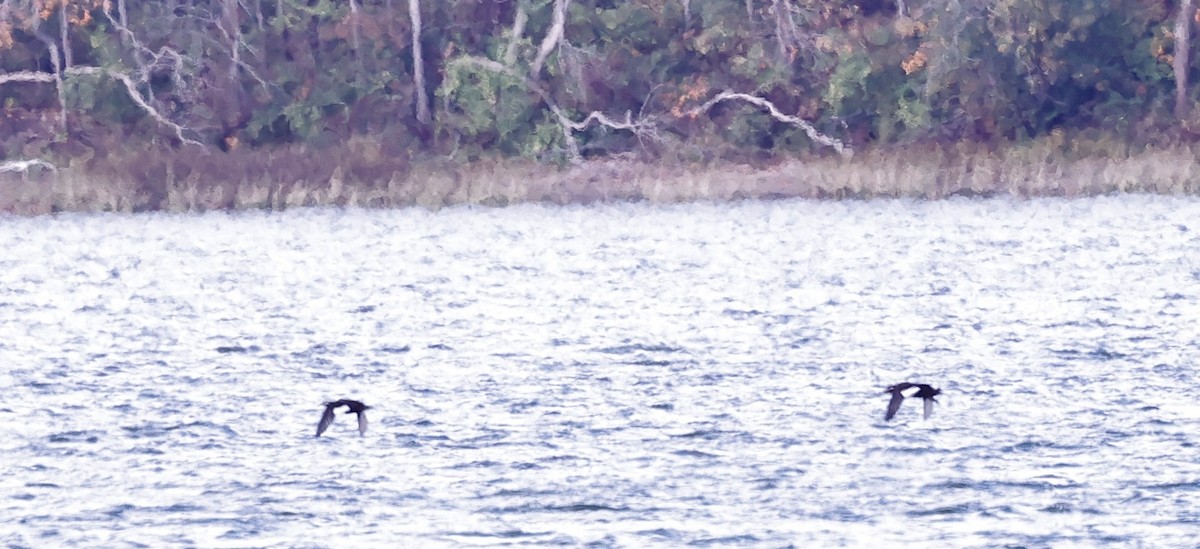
[812, 132]
[258, 14]
[131, 87]
[26, 76]
[572, 63]
[531, 84]
[557, 25]
[56, 77]
[518, 30]
[163, 57]
[23, 166]
[642, 127]
[236, 45]
[795, 36]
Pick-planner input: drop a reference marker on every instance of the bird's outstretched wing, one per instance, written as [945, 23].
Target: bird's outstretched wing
[327, 418]
[928, 407]
[362, 423]
[894, 405]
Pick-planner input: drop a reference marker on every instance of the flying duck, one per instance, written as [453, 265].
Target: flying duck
[355, 407]
[902, 390]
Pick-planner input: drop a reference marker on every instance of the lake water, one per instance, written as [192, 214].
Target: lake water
[608, 376]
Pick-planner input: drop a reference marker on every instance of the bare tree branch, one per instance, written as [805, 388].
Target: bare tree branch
[842, 148]
[26, 76]
[643, 127]
[531, 84]
[24, 166]
[518, 30]
[58, 72]
[557, 24]
[236, 45]
[131, 87]
[163, 56]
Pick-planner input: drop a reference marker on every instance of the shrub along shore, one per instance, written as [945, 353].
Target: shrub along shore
[133, 106]
[358, 174]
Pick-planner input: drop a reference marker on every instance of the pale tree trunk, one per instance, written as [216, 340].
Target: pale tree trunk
[1183, 32]
[414, 13]
[785, 34]
[233, 29]
[518, 30]
[354, 40]
[65, 28]
[557, 24]
[127, 37]
[123, 19]
[58, 81]
[58, 65]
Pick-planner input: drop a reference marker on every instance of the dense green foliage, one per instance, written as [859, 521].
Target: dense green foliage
[255, 74]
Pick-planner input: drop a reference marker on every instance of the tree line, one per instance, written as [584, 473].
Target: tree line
[566, 80]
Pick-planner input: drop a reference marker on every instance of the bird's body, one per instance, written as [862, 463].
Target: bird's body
[903, 390]
[354, 407]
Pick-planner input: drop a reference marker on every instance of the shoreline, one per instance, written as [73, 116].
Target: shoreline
[197, 183]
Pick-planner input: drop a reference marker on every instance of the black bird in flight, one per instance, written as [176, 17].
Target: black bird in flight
[902, 390]
[355, 407]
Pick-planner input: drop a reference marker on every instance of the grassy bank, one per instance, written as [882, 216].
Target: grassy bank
[362, 174]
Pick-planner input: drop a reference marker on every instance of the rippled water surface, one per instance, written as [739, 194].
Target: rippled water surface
[624, 376]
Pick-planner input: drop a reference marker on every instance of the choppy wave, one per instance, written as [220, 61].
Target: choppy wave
[630, 376]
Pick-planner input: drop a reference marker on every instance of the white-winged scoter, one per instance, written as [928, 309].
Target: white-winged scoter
[355, 407]
[902, 390]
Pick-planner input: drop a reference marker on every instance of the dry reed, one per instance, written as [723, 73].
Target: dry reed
[366, 178]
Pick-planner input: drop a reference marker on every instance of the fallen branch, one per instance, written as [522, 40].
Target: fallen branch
[640, 127]
[532, 85]
[130, 87]
[842, 148]
[23, 166]
[643, 127]
[26, 76]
